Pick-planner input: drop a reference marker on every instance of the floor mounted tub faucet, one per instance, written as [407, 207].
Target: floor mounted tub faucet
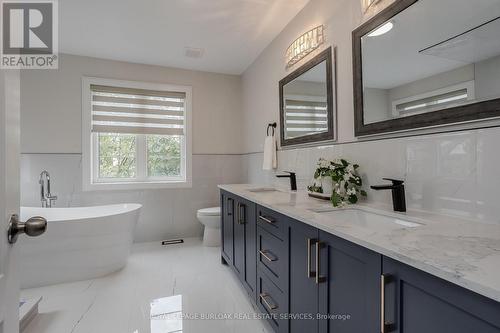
[46, 197]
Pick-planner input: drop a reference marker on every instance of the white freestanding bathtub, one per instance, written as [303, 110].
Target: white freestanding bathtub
[80, 243]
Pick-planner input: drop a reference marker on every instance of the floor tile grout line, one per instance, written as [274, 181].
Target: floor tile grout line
[84, 314]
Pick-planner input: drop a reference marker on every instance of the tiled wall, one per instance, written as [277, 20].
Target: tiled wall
[455, 174]
[166, 213]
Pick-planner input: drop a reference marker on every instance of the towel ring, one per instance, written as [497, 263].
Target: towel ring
[272, 126]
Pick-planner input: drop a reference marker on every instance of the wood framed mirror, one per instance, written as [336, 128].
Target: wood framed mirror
[307, 102]
[426, 63]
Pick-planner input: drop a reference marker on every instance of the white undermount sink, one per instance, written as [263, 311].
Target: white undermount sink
[361, 217]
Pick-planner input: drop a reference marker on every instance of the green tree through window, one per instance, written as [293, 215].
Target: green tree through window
[164, 156]
[117, 155]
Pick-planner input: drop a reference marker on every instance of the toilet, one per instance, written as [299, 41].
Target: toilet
[210, 218]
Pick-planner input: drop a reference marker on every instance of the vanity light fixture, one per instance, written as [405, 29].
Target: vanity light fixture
[304, 45]
[383, 29]
[367, 4]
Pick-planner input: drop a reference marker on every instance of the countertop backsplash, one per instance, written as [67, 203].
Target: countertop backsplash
[450, 173]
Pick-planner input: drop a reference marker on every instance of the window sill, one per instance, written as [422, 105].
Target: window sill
[122, 186]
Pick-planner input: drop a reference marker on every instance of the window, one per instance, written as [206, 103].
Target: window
[439, 99]
[305, 115]
[135, 135]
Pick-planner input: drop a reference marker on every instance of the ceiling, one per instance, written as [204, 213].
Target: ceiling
[393, 59]
[232, 33]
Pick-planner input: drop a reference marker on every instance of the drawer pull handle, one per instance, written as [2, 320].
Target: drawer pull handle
[238, 212]
[319, 279]
[267, 219]
[230, 211]
[270, 306]
[265, 254]
[310, 273]
[242, 213]
[382, 304]
[385, 326]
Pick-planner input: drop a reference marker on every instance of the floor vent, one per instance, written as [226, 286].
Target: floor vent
[172, 241]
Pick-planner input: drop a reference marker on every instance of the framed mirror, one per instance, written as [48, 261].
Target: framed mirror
[425, 63]
[307, 102]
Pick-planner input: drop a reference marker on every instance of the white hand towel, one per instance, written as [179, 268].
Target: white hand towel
[270, 159]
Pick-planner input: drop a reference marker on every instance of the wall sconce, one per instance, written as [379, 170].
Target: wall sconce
[304, 45]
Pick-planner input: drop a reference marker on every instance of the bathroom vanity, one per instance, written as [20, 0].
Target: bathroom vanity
[312, 268]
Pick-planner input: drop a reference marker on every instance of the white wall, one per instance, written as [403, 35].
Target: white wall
[487, 74]
[51, 140]
[453, 174]
[376, 101]
[166, 213]
[449, 173]
[260, 80]
[435, 82]
[51, 98]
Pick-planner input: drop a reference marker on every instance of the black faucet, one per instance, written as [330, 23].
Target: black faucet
[293, 179]
[398, 193]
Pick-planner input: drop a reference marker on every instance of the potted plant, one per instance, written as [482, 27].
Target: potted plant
[338, 178]
[323, 173]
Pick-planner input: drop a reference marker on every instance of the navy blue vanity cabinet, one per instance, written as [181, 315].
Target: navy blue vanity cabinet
[349, 286]
[305, 280]
[303, 296]
[272, 267]
[245, 253]
[239, 239]
[272, 258]
[272, 246]
[273, 303]
[417, 302]
[227, 216]
[334, 282]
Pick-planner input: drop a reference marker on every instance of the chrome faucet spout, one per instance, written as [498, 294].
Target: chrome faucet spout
[46, 197]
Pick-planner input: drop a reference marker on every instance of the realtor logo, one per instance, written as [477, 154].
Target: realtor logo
[29, 34]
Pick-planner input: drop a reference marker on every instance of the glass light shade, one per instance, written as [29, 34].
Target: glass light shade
[304, 45]
[366, 4]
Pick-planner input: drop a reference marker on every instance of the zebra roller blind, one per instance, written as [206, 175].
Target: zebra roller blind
[137, 111]
[304, 117]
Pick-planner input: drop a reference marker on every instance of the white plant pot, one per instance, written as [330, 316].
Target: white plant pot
[327, 184]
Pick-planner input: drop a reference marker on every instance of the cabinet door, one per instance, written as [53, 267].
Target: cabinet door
[417, 302]
[303, 290]
[239, 240]
[246, 217]
[227, 202]
[349, 288]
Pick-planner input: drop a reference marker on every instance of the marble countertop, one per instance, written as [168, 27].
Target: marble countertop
[464, 252]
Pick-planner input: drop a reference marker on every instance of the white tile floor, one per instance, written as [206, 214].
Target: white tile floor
[148, 295]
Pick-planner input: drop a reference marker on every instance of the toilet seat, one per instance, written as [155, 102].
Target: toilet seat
[212, 211]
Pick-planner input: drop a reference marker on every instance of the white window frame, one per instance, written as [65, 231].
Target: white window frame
[90, 142]
[468, 85]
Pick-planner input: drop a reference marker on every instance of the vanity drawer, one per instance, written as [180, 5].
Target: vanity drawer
[271, 221]
[273, 304]
[272, 257]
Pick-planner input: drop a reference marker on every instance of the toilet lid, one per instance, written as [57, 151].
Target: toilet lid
[212, 211]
